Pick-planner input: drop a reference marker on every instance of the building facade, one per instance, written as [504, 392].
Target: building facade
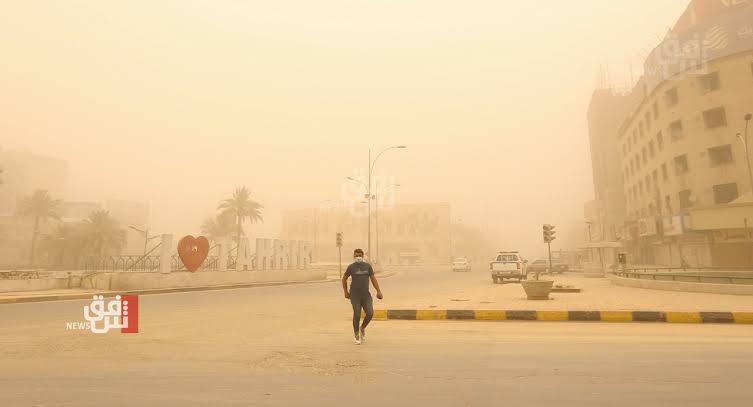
[400, 233]
[678, 146]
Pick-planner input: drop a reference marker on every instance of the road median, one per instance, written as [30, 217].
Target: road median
[61, 295]
[562, 316]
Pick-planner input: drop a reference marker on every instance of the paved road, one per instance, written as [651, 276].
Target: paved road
[291, 346]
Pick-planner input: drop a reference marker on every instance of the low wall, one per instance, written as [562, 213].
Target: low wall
[35, 284]
[128, 281]
[733, 289]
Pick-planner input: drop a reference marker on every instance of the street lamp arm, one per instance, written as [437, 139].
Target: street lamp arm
[371, 167]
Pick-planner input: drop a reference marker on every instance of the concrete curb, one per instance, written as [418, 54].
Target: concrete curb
[85, 296]
[579, 316]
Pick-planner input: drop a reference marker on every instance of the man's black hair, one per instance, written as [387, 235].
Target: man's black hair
[358, 251]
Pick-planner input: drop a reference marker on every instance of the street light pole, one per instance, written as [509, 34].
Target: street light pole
[369, 197]
[146, 236]
[747, 155]
[376, 219]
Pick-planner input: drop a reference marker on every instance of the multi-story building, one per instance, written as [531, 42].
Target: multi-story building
[400, 233]
[682, 163]
[25, 172]
[605, 214]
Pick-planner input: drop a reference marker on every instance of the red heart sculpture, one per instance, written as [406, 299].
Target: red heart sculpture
[193, 251]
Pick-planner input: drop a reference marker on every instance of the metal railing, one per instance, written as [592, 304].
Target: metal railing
[658, 269]
[679, 274]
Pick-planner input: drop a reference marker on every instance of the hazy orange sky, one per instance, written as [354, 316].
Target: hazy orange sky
[178, 102]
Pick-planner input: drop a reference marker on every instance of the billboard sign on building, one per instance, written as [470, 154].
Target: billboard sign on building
[690, 50]
[674, 225]
[647, 227]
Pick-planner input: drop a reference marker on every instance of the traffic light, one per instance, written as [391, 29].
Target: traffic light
[549, 233]
[622, 258]
[339, 239]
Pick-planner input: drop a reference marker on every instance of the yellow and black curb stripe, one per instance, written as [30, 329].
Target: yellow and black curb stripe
[580, 316]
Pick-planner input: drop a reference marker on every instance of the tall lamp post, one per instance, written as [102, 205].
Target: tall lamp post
[376, 219]
[744, 139]
[371, 169]
[365, 195]
[146, 236]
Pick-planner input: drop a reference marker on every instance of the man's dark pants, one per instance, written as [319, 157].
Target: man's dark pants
[361, 301]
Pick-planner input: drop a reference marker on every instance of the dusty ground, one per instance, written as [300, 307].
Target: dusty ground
[292, 346]
[475, 290]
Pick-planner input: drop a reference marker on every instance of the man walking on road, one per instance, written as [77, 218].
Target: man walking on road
[360, 273]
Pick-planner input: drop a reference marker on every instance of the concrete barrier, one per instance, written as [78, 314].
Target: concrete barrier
[732, 289]
[576, 316]
[131, 281]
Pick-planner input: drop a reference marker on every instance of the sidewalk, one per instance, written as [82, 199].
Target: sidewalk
[79, 293]
[478, 292]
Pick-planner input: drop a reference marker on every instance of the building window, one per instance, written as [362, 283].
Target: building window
[725, 193]
[672, 97]
[664, 173]
[648, 183]
[647, 118]
[675, 130]
[681, 164]
[637, 162]
[655, 177]
[660, 141]
[668, 204]
[656, 110]
[644, 154]
[640, 129]
[640, 187]
[685, 200]
[651, 149]
[709, 82]
[720, 155]
[715, 118]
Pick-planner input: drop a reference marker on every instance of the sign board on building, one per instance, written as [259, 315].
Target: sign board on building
[674, 225]
[647, 227]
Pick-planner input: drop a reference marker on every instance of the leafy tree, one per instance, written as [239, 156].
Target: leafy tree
[102, 232]
[241, 207]
[41, 207]
[222, 225]
[67, 240]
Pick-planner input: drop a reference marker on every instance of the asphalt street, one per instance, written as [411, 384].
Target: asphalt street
[292, 345]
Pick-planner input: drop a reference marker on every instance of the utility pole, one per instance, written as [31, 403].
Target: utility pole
[368, 192]
[747, 155]
[339, 243]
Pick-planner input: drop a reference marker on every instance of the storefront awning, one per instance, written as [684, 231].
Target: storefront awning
[736, 215]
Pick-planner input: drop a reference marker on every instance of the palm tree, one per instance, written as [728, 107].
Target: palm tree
[222, 225]
[66, 240]
[103, 232]
[40, 206]
[241, 207]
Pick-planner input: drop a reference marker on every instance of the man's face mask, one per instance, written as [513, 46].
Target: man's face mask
[358, 259]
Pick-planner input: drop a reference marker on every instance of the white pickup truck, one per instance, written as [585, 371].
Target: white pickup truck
[507, 265]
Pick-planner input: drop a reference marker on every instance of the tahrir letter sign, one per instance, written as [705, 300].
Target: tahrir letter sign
[193, 251]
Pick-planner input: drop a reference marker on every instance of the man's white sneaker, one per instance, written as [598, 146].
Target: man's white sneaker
[357, 340]
[363, 335]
